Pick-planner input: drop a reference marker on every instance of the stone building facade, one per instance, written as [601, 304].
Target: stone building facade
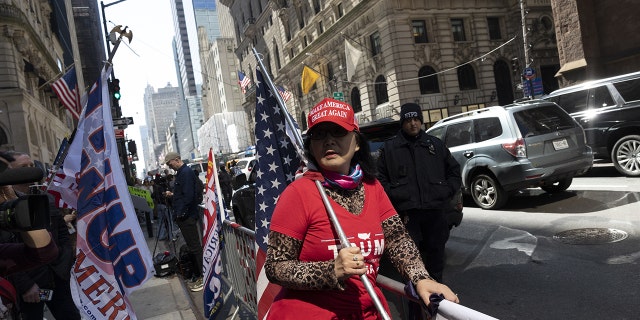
[596, 39]
[31, 56]
[447, 56]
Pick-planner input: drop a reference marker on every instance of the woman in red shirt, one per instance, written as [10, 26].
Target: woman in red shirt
[320, 279]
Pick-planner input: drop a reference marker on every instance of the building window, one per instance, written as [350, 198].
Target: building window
[419, 31]
[304, 41]
[376, 46]
[320, 27]
[330, 73]
[340, 10]
[355, 100]
[457, 27]
[466, 78]
[316, 6]
[381, 90]
[494, 28]
[428, 80]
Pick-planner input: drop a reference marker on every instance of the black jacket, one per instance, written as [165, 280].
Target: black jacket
[418, 173]
[184, 193]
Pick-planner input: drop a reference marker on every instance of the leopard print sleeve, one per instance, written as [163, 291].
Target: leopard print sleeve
[283, 267]
[402, 251]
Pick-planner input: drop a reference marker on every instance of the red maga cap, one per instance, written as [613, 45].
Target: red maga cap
[334, 111]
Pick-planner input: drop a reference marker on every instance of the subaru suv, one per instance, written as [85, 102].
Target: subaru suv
[609, 111]
[502, 150]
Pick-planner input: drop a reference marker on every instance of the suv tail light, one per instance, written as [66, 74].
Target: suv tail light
[516, 148]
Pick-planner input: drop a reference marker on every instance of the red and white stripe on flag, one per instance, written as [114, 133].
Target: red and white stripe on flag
[66, 88]
[212, 245]
[285, 94]
[244, 81]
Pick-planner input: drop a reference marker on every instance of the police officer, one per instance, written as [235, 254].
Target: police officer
[420, 177]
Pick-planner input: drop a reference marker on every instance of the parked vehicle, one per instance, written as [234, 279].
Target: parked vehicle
[244, 165]
[502, 150]
[609, 111]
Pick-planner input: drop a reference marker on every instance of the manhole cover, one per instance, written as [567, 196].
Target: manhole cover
[590, 236]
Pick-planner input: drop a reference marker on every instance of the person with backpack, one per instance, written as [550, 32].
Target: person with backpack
[185, 194]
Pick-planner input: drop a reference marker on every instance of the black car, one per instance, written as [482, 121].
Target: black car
[609, 111]
[244, 197]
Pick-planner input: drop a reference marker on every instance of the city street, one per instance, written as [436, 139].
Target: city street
[508, 264]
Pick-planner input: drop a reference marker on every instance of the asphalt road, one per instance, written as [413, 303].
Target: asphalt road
[572, 255]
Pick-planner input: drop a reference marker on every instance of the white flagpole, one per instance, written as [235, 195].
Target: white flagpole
[332, 215]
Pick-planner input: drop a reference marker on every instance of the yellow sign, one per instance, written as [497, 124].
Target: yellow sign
[143, 194]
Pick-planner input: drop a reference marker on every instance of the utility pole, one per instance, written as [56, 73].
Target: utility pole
[525, 43]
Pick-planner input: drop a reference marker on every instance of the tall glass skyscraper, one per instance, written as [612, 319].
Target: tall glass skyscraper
[207, 17]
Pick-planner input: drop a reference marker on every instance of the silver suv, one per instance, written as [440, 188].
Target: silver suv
[502, 150]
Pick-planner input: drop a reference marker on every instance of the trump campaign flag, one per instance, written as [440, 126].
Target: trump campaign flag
[66, 88]
[212, 244]
[277, 164]
[112, 256]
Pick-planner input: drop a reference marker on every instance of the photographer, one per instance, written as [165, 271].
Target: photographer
[49, 283]
[37, 247]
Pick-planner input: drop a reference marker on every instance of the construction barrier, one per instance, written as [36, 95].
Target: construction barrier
[239, 263]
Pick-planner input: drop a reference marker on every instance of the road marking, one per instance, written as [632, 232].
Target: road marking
[597, 186]
[627, 258]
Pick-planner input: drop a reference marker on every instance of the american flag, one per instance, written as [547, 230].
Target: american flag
[285, 94]
[66, 88]
[212, 244]
[112, 256]
[244, 81]
[277, 165]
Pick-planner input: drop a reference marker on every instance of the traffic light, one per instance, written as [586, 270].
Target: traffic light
[115, 85]
[515, 65]
[131, 145]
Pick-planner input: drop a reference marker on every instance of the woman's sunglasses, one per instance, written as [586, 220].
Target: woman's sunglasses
[337, 132]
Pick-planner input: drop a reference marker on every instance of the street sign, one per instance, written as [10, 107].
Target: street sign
[338, 96]
[529, 73]
[119, 133]
[122, 122]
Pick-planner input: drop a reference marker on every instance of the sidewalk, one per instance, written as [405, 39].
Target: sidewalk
[163, 298]
[169, 298]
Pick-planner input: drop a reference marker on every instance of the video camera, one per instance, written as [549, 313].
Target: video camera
[28, 212]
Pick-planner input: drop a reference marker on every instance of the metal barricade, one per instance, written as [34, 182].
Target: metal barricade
[239, 262]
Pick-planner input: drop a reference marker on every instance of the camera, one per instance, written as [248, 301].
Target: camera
[28, 212]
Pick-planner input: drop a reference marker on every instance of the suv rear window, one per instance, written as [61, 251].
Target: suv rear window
[629, 90]
[542, 120]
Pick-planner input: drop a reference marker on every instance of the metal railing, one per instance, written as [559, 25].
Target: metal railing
[239, 263]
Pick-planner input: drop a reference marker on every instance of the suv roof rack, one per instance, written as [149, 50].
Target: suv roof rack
[468, 113]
